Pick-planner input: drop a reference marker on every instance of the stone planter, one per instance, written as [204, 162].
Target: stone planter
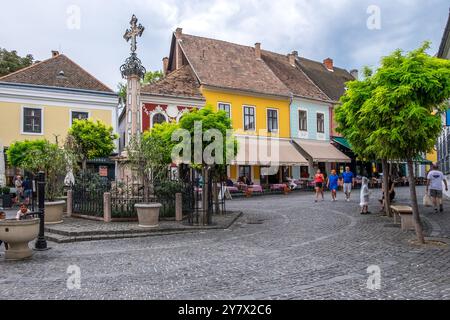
[54, 212]
[148, 214]
[18, 234]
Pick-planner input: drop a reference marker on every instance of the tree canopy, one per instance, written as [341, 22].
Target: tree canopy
[90, 139]
[394, 113]
[10, 61]
[41, 155]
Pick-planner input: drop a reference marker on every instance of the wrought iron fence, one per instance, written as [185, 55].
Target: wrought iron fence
[88, 193]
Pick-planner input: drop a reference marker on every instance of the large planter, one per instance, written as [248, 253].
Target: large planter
[54, 212]
[6, 200]
[18, 234]
[148, 214]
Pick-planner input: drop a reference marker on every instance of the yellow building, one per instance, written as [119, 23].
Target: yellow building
[234, 78]
[41, 101]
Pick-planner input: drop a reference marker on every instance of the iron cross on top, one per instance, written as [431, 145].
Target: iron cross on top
[134, 32]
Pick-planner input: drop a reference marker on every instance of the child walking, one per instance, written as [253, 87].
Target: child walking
[365, 196]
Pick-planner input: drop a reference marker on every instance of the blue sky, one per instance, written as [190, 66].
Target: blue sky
[317, 29]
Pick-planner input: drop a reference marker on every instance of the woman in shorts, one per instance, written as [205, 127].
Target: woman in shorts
[319, 180]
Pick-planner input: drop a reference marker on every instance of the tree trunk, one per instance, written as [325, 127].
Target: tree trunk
[84, 164]
[216, 196]
[387, 199]
[414, 204]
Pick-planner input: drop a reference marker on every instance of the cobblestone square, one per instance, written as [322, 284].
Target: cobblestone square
[282, 247]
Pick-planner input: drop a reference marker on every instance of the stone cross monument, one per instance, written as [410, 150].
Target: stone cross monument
[133, 71]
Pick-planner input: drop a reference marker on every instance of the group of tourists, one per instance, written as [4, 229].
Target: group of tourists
[24, 189]
[347, 180]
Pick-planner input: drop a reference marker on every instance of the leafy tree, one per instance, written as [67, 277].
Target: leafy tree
[41, 155]
[90, 140]
[10, 61]
[210, 120]
[395, 112]
[152, 76]
[20, 152]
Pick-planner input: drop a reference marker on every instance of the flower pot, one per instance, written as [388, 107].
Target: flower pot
[6, 200]
[18, 234]
[148, 214]
[54, 212]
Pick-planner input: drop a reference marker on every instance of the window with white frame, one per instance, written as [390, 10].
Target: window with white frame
[79, 115]
[32, 120]
[302, 120]
[272, 120]
[249, 118]
[320, 123]
[225, 107]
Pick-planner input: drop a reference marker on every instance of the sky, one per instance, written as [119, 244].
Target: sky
[354, 33]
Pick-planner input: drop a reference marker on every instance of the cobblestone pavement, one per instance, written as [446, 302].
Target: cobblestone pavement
[284, 247]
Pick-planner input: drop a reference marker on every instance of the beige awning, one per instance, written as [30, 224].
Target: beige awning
[319, 151]
[264, 151]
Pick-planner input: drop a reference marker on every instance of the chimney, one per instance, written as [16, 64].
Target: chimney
[258, 50]
[165, 65]
[178, 32]
[355, 74]
[55, 53]
[328, 63]
[292, 58]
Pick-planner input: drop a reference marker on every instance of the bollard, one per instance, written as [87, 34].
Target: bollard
[69, 203]
[178, 207]
[107, 207]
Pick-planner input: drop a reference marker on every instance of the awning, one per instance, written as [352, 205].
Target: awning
[319, 151]
[264, 151]
[343, 142]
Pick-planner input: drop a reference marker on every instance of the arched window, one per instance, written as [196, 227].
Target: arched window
[158, 119]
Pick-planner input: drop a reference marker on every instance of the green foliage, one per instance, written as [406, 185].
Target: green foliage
[41, 155]
[152, 76]
[395, 112]
[210, 120]
[10, 61]
[19, 153]
[91, 139]
[122, 91]
[5, 190]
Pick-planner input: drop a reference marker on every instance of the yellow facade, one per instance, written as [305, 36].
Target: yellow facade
[56, 121]
[261, 104]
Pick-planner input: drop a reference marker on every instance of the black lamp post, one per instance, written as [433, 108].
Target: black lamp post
[41, 243]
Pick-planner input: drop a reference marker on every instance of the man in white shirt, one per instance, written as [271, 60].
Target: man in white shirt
[434, 186]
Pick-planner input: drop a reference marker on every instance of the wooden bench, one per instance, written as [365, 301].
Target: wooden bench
[406, 216]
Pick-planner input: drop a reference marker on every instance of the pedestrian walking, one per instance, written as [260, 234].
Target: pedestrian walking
[319, 181]
[19, 188]
[364, 197]
[349, 182]
[435, 180]
[333, 184]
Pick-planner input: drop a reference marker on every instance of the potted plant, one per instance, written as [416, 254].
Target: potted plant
[6, 197]
[149, 156]
[41, 155]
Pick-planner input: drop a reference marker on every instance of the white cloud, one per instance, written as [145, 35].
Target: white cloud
[315, 28]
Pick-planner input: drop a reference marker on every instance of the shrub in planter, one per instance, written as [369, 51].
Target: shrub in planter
[6, 197]
[41, 155]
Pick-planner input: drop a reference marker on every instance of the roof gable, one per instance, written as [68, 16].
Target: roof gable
[293, 76]
[58, 71]
[179, 83]
[332, 83]
[231, 66]
[444, 48]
